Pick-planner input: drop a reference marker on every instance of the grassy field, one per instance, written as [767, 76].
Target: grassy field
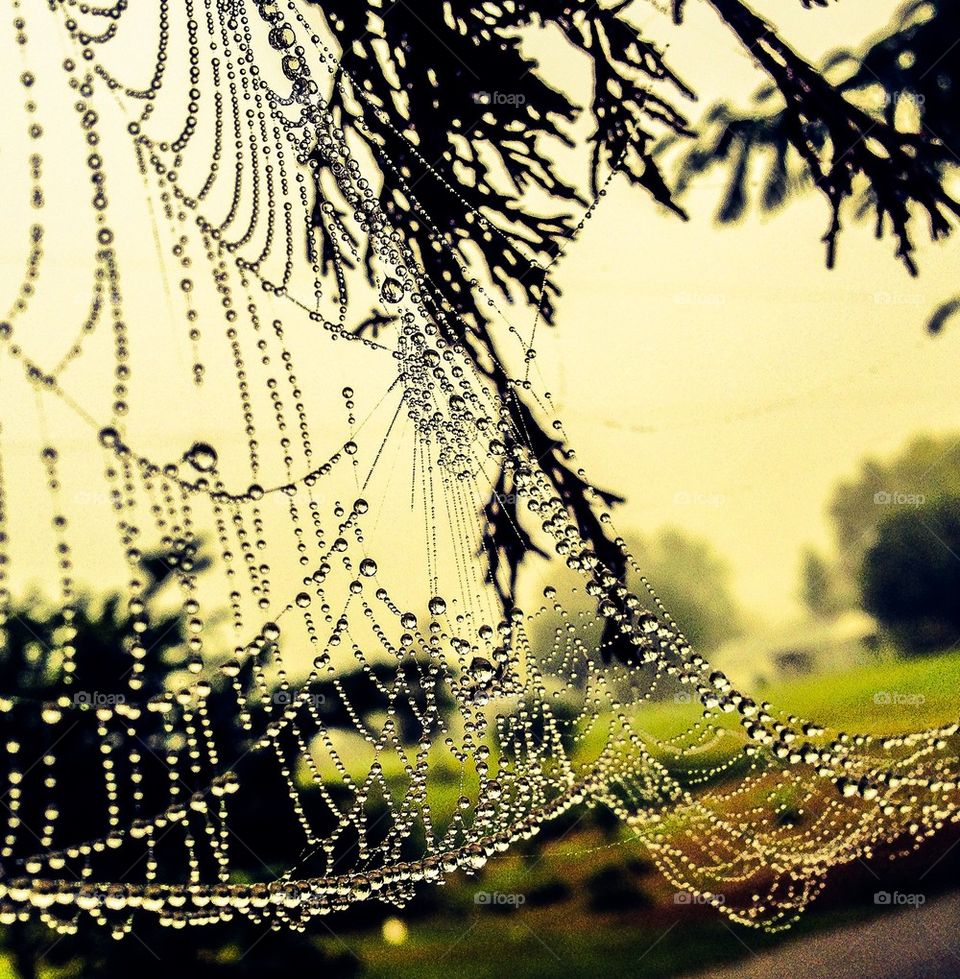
[591, 901]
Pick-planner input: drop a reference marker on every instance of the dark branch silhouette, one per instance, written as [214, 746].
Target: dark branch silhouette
[456, 114]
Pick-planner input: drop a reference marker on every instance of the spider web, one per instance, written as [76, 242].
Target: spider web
[347, 670]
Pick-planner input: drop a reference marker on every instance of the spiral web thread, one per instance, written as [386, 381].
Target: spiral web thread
[390, 592]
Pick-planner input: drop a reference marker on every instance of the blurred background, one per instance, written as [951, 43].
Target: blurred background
[787, 438]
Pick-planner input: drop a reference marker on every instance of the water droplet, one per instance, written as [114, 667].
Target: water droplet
[51, 713]
[271, 631]
[368, 567]
[202, 457]
[392, 291]
[109, 437]
[482, 669]
[281, 37]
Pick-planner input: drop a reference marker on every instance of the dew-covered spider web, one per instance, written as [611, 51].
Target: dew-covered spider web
[345, 678]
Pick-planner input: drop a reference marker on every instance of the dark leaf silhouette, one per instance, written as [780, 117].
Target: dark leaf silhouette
[816, 126]
[466, 129]
[943, 313]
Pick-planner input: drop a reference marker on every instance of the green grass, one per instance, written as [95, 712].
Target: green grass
[649, 936]
[928, 687]
[602, 908]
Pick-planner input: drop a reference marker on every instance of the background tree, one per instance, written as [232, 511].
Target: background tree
[911, 576]
[925, 470]
[691, 579]
[32, 650]
[693, 582]
[451, 103]
[819, 590]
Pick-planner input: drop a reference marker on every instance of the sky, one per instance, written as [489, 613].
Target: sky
[722, 379]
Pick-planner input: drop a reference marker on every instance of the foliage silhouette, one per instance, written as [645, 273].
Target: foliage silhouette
[475, 127]
[886, 114]
[924, 470]
[911, 576]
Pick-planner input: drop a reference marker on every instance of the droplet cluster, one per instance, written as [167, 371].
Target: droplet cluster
[292, 609]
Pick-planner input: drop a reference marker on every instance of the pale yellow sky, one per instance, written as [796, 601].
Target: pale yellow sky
[722, 379]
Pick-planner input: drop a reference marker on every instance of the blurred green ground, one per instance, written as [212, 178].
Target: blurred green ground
[592, 902]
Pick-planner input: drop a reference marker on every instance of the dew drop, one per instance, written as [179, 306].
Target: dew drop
[392, 291]
[109, 437]
[482, 669]
[202, 457]
[51, 713]
[271, 631]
